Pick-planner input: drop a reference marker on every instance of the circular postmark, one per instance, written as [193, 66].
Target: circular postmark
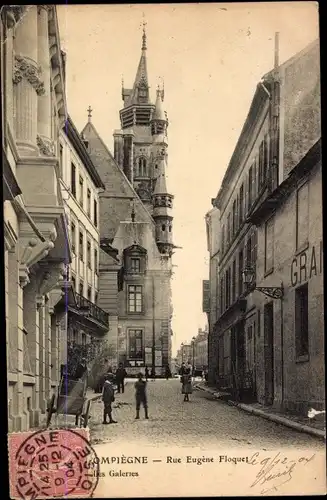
[56, 463]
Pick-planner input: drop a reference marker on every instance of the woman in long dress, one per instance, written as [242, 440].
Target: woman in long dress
[186, 382]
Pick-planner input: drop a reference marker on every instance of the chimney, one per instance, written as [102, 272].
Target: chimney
[128, 155]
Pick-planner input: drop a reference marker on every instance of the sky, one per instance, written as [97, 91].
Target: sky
[210, 57]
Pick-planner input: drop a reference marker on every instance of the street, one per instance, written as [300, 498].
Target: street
[201, 422]
[200, 448]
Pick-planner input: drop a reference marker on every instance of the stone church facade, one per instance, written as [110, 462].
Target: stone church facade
[135, 265]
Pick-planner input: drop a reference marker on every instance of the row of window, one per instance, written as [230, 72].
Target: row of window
[256, 178]
[81, 248]
[231, 283]
[81, 195]
[82, 289]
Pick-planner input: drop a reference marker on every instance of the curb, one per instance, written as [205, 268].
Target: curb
[273, 418]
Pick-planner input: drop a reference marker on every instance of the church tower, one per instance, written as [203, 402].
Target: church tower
[162, 200]
[140, 149]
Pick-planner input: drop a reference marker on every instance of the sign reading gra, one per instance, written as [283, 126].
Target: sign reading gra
[306, 265]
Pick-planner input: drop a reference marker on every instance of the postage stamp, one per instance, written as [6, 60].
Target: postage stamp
[52, 464]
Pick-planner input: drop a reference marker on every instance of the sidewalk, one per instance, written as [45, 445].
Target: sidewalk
[315, 427]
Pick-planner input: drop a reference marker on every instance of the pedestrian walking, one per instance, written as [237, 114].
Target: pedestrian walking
[141, 396]
[182, 369]
[108, 397]
[167, 372]
[121, 374]
[146, 373]
[153, 374]
[186, 379]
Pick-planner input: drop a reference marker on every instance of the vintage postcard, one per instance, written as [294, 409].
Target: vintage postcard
[163, 250]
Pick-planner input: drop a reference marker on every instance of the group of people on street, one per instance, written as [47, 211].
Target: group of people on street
[108, 397]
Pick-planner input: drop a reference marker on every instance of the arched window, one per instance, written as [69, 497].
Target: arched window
[163, 227]
[142, 167]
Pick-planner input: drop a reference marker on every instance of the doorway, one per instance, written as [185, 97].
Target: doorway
[269, 352]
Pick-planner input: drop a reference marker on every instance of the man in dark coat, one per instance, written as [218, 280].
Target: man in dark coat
[108, 397]
[140, 396]
[121, 374]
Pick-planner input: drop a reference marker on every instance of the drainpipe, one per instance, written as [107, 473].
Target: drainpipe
[153, 328]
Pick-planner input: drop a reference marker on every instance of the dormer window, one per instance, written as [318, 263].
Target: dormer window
[135, 260]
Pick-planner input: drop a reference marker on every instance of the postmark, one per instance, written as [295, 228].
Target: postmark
[52, 464]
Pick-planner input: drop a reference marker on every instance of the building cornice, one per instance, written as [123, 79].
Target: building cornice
[267, 205]
[76, 141]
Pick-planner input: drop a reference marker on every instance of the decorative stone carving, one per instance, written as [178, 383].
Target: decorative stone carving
[13, 14]
[143, 190]
[162, 153]
[26, 68]
[46, 146]
[53, 272]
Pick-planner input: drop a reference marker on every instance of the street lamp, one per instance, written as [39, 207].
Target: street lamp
[275, 292]
[182, 346]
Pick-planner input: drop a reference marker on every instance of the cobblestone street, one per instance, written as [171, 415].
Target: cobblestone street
[202, 422]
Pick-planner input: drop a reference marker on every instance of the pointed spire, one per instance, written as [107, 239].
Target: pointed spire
[140, 91]
[159, 112]
[161, 182]
[144, 35]
[89, 115]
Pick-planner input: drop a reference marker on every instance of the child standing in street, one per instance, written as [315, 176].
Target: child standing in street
[141, 396]
[108, 397]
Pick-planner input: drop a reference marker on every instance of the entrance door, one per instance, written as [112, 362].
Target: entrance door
[269, 352]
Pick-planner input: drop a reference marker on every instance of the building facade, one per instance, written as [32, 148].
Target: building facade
[37, 249]
[200, 350]
[211, 290]
[256, 333]
[184, 354]
[136, 228]
[290, 359]
[233, 347]
[80, 184]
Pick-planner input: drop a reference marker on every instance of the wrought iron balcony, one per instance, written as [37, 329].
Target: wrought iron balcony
[91, 310]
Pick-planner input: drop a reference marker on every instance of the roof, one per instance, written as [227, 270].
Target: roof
[76, 140]
[259, 98]
[118, 190]
[141, 79]
[159, 113]
[313, 45]
[161, 184]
